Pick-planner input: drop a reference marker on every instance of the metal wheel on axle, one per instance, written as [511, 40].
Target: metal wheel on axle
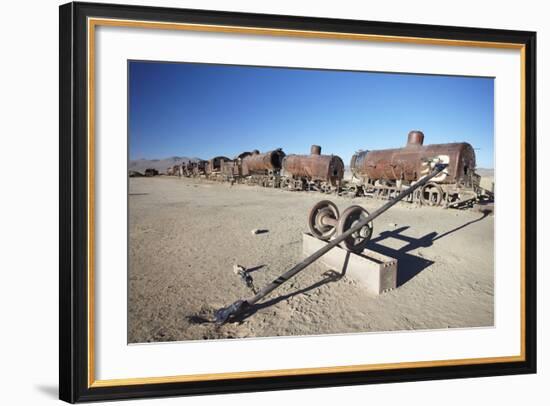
[431, 194]
[357, 241]
[353, 191]
[322, 219]
[285, 183]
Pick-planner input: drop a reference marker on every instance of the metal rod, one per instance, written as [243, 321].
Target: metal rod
[223, 314]
[331, 221]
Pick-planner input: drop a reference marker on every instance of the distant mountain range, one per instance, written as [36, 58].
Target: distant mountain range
[159, 164]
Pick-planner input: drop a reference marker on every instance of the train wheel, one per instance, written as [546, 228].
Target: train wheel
[431, 194]
[322, 211]
[285, 183]
[357, 241]
[353, 191]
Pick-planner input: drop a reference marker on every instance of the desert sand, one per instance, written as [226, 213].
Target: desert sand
[185, 235]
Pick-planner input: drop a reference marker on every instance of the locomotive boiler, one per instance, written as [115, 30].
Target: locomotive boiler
[263, 169]
[386, 172]
[313, 171]
[262, 164]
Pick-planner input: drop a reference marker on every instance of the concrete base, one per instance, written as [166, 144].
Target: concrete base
[376, 272]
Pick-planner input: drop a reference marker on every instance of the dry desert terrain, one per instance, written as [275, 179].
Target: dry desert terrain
[185, 235]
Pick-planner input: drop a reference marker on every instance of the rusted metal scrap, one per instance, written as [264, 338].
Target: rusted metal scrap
[151, 172]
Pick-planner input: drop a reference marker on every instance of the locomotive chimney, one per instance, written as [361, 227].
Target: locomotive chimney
[315, 150]
[415, 138]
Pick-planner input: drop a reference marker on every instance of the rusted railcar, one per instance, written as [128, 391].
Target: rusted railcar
[263, 169]
[379, 173]
[187, 169]
[384, 173]
[213, 168]
[190, 168]
[151, 172]
[174, 170]
[313, 171]
[197, 168]
[232, 170]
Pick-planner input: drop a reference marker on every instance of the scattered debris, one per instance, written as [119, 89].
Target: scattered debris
[237, 269]
[259, 231]
[245, 276]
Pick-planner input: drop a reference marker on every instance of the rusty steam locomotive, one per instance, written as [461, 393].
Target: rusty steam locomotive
[386, 172]
[379, 173]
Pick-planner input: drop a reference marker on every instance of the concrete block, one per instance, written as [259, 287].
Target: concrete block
[372, 270]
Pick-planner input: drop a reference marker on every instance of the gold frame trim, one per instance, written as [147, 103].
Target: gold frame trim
[94, 22]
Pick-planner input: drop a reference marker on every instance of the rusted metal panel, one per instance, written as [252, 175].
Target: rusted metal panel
[409, 163]
[231, 168]
[262, 163]
[242, 155]
[214, 164]
[196, 168]
[315, 167]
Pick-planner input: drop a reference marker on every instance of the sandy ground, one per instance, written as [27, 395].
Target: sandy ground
[185, 236]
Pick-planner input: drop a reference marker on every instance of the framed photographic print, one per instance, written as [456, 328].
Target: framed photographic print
[255, 202]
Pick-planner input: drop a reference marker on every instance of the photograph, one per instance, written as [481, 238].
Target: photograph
[277, 202]
[257, 201]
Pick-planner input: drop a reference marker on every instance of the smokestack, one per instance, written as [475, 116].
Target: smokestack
[415, 138]
[315, 150]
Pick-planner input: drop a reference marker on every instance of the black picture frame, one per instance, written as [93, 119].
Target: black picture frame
[74, 385]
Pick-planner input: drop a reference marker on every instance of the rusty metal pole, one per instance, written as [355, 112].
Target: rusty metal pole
[223, 314]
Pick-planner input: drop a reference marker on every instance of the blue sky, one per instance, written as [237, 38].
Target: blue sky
[202, 110]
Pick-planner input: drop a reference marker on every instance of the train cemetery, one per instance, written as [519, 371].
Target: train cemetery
[212, 257]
